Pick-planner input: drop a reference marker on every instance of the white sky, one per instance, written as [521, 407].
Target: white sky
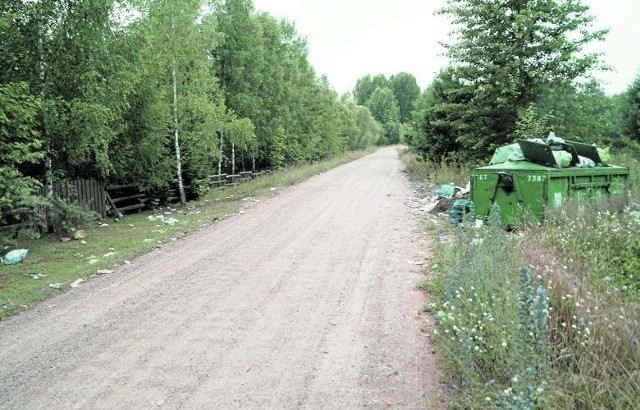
[348, 39]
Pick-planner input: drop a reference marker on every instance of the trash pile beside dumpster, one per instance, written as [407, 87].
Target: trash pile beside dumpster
[526, 179]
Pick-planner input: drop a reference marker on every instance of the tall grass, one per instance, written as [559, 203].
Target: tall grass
[435, 173]
[543, 317]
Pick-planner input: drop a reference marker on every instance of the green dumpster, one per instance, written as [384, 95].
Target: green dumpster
[525, 189]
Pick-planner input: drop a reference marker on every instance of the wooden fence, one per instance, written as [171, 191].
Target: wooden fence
[95, 194]
[88, 192]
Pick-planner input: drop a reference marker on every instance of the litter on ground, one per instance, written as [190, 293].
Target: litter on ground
[14, 256]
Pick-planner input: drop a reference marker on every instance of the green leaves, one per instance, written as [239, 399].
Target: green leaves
[506, 55]
[19, 140]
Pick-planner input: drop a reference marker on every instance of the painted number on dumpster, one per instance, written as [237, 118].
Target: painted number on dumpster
[535, 178]
[483, 177]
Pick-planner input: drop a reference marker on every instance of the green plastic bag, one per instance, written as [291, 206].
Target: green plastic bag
[461, 211]
[511, 152]
[446, 191]
[563, 158]
[14, 256]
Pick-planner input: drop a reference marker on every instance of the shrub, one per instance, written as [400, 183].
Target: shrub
[65, 217]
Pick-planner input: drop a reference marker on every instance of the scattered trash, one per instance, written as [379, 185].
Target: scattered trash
[57, 285]
[171, 221]
[419, 263]
[155, 217]
[65, 239]
[127, 262]
[80, 234]
[36, 275]
[14, 256]
[273, 189]
[108, 254]
[76, 283]
[104, 271]
[103, 224]
[83, 242]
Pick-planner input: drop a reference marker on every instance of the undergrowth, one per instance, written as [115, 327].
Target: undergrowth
[544, 317]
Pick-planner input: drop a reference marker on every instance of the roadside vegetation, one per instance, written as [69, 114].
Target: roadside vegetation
[546, 316]
[51, 266]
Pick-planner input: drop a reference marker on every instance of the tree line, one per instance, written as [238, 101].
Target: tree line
[519, 69]
[158, 92]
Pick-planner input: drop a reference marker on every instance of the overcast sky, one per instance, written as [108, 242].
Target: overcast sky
[348, 39]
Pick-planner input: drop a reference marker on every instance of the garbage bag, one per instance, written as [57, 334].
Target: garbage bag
[586, 162]
[446, 191]
[563, 158]
[511, 152]
[462, 211]
[14, 256]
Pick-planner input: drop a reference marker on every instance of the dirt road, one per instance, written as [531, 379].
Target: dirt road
[307, 300]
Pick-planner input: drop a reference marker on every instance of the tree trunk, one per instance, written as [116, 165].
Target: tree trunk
[220, 159]
[176, 138]
[253, 163]
[233, 158]
[48, 167]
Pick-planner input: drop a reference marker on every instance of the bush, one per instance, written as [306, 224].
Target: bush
[65, 217]
[19, 203]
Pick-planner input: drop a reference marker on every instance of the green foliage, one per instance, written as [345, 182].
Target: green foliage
[533, 125]
[505, 56]
[20, 144]
[407, 91]
[631, 110]
[439, 118]
[19, 139]
[492, 322]
[367, 85]
[67, 216]
[560, 334]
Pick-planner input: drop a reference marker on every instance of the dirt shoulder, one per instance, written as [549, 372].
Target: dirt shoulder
[305, 300]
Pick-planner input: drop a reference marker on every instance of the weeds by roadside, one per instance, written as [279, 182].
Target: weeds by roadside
[543, 317]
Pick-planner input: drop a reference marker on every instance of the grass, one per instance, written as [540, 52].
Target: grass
[543, 317]
[51, 261]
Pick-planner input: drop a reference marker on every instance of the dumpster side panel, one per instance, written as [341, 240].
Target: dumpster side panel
[531, 188]
[483, 188]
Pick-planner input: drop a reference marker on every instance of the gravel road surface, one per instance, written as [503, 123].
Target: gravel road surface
[305, 300]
